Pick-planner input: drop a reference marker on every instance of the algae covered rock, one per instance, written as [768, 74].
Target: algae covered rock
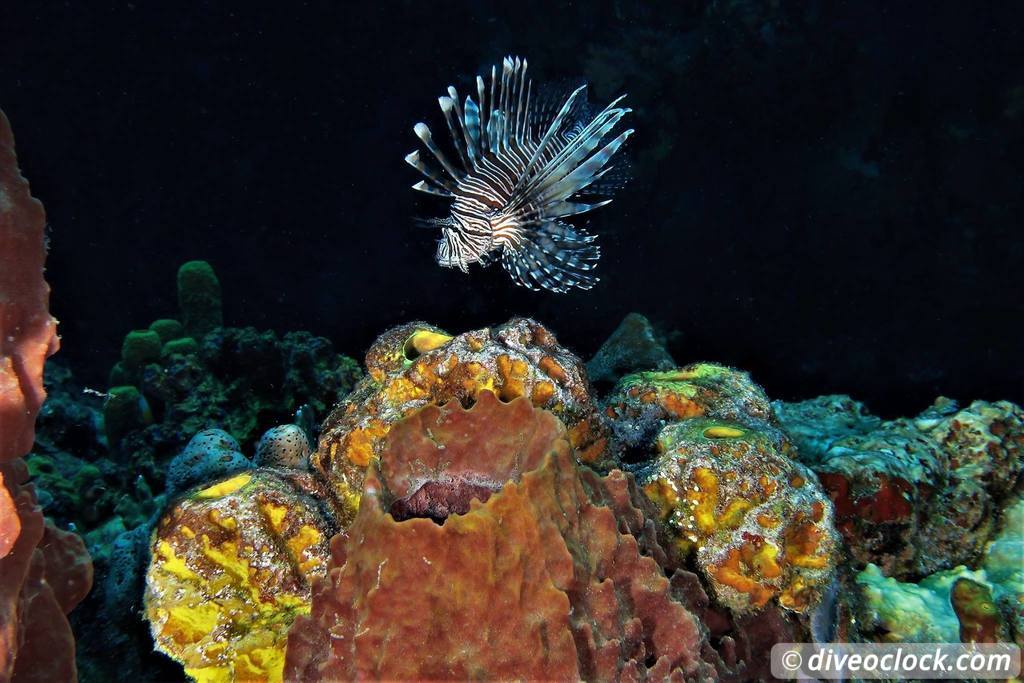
[757, 523]
[912, 495]
[643, 403]
[954, 605]
[633, 346]
[232, 565]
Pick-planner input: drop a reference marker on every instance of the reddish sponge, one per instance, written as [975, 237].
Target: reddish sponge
[44, 576]
[481, 549]
[43, 572]
[417, 364]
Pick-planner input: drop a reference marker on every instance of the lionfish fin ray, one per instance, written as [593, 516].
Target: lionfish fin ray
[556, 123]
[450, 106]
[435, 179]
[569, 158]
[564, 209]
[584, 174]
[423, 133]
[424, 186]
[472, 125]
[555, 256]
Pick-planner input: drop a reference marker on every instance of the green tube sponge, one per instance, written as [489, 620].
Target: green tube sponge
[168, 329]
[125, 410]
[119, 375]
[199, 298]
[140, 347]
[185, 346]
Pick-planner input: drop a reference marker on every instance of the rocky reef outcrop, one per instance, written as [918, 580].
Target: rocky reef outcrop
[482, 491]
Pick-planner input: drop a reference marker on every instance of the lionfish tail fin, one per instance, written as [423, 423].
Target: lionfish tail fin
[555, 256]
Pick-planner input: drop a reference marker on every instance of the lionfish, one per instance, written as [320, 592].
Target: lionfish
[525, 165]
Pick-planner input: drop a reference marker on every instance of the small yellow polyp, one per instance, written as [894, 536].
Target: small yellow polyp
[225, 487]
[722, 433]
[422, 341]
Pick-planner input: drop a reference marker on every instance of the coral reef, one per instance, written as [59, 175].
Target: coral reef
[479, 527]
[231, 568]
[211, 454]
[468, 491]
[759, 525]
[44, 572]
[958, 604]
[237, 379]
[643, 403]
[107, 467]
[417, 364]
[633, 346]
[912, 495]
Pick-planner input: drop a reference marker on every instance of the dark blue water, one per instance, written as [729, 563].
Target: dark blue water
[827, 194]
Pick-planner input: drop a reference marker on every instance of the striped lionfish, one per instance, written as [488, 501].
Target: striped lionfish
[525, 166]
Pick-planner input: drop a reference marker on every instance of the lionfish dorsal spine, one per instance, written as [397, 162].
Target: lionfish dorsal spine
[523, 162]
[548, 136]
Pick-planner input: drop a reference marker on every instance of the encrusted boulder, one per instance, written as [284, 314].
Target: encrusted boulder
[232, 565]
[643, 403]
[757, 523]
[416, 365]
[912, 495]
[633, 346]
[984, 605]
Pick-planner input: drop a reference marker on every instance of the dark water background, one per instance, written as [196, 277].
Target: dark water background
[827, 194]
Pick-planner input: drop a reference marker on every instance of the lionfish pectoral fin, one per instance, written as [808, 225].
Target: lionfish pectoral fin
[555, 256]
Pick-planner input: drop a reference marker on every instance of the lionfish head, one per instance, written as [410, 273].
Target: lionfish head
[463, 241]
[447, 253]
